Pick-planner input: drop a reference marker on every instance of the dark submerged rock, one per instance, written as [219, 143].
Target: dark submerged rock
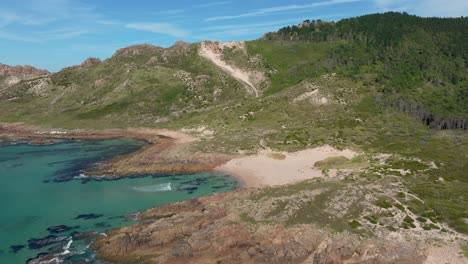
[102, 225]
[84, 235]
[61, 228]
[35, 243]
[88, 216]
[16, 248]
[40, 258]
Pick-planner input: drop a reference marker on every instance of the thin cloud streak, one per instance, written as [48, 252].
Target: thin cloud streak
[280, 9]
[280, 23]
[440, 8]
[212, 4]
[43, 36]
[159, 28]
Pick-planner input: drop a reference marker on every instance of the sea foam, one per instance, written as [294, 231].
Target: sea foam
[154, 188]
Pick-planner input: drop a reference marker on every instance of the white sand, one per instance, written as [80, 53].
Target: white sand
[449, 254]
[212, 52]
[264, 170]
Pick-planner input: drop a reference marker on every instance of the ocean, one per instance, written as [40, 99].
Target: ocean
[48, 206]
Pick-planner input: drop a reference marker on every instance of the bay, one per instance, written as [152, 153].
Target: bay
[41, 189]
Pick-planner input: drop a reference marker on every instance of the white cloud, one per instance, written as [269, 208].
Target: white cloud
[280, 9]
[43, 36]
[10, 17]
[171, 12]
[110, 22]
[212, 4]
[159, 28]
[274, 24]
[42, 20]
[43, 12]
[440, 8]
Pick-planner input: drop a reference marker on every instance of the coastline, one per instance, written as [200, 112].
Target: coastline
[226, 218]
[73, 209]
[168, 152]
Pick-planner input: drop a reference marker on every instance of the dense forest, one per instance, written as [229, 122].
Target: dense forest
[420, 65]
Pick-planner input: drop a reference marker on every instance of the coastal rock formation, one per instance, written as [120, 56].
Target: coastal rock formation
[207, 230]
[35, 243]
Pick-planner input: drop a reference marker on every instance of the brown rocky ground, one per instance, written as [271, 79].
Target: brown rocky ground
[210, 230]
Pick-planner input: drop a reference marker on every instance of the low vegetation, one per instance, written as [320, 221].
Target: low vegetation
[387, 85]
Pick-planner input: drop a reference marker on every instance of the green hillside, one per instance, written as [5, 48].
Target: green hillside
[418, 65]
[384, 83]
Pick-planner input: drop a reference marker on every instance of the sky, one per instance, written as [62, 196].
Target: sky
[52, 34]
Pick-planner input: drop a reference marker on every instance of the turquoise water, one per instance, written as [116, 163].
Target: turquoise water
[40, 188]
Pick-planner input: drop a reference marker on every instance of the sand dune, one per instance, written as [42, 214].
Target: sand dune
[265, 169]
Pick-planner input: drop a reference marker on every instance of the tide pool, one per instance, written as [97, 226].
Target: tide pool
[41, 189]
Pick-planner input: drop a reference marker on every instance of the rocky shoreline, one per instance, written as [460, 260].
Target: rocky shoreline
[247, 225]
[210, 230]
[169, 152]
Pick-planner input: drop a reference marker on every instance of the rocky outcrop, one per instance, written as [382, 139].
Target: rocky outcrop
[209, 230]
[11, 75]
[22, 72]
[90, 62]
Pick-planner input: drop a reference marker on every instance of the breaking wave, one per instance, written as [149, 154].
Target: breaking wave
[154, 188]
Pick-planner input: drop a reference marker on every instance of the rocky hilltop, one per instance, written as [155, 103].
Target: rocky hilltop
[11, 75]
[23, 72]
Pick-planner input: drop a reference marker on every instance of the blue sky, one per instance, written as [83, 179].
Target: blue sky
[53, 34]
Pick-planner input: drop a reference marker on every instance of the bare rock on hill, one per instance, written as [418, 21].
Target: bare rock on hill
[90, 62]
[22, 72]
[11, 75]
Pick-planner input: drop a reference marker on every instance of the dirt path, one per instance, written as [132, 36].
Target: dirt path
[212, 52]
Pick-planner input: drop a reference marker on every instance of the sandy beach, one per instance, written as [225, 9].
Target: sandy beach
[269, 168]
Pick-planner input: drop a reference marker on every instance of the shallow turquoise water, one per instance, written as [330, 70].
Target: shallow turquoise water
[39, 188]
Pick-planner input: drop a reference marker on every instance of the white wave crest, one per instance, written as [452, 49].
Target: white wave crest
[163, 187]
[67, 247]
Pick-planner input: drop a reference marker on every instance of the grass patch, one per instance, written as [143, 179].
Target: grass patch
[465, 250]
[354, 224]
[276, 156]
[341, 162]
[430, 226]
[331, 163]
[372, 219]
[384, 203]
